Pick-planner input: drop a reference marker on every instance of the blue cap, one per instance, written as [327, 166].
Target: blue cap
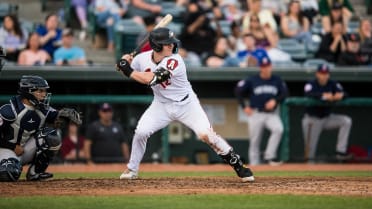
[264, 61]
[323, 68]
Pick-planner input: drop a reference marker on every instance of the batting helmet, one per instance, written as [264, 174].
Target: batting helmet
[161, 36]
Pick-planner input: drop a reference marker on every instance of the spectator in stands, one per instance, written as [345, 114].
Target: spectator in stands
[33, 54]
[13, 37]
[81, 7]
[235, 39]
[295, 25]
[265, 16]
[335, 15]
[150, 22]
[317, 118]
[325, 7]
[109, 12]
[332, 44]
[267, 38]
[68, 54]
[250, 55]
[105, 139]
[219, 56]
[309, 9]
[197, 34]
[365, 33]
[50, 34]
[72, 148]
[144, 8]
[231, 10]
[353, 56]
[277, 7]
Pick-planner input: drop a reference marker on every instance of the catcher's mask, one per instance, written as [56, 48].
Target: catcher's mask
[161, 36]
[28, 85]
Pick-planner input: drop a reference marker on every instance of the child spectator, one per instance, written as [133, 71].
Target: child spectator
[12, 37]
[251, 55]
[33, 55]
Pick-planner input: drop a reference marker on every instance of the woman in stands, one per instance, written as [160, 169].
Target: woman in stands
[33, 55]
[295, 25]
[365, 33]
[12, 37]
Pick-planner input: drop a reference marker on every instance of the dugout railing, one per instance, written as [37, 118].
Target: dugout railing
[284, 152]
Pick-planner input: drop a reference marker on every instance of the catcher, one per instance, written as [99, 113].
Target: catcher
[28, 132]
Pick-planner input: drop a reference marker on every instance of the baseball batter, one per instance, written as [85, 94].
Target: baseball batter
[174, 99]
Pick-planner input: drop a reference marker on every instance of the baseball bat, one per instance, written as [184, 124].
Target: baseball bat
[162, 23]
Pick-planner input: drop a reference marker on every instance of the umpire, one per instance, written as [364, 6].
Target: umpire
[265, 92]
[320, 117]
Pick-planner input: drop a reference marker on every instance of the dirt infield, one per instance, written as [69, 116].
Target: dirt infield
[349, 186]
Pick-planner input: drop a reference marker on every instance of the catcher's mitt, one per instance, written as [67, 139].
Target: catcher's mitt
[160, 75]
[70, 114]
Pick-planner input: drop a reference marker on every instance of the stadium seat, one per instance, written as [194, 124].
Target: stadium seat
[176, 11]
[293, 47]
[316, 28]
[6, 8]
[225, 26]
[353, 26]
[175, 27]
[313, 63]
[126, 33]
[28, 25]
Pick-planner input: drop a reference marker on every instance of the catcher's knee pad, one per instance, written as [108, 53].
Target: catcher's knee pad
[49, 141]
[10, 169]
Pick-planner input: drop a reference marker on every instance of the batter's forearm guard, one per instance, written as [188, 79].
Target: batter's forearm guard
[124, 66]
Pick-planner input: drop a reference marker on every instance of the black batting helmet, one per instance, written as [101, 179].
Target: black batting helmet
[30, 83]
[161, 36]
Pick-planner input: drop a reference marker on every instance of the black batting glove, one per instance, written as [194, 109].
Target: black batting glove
[160, 75]
[124, 66]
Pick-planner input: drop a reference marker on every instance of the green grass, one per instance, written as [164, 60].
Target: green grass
[176, 201]
[188, 202]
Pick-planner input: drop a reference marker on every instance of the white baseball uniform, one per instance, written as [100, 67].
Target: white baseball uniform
[174, 100]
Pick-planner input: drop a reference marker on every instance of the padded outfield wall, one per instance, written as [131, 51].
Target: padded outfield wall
[215, 88]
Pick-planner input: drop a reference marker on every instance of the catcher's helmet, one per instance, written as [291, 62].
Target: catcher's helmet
[2, 58]
[30, 83]
[161, 36]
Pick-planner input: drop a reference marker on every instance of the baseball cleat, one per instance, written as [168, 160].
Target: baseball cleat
[129, 174]
[39, 176]
[245, 174]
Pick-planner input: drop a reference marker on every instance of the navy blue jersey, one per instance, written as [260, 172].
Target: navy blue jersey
[259, 91]
[314, 90]
[19, 122]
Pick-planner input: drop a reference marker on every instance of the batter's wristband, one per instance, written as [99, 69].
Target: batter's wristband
[124, 66]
